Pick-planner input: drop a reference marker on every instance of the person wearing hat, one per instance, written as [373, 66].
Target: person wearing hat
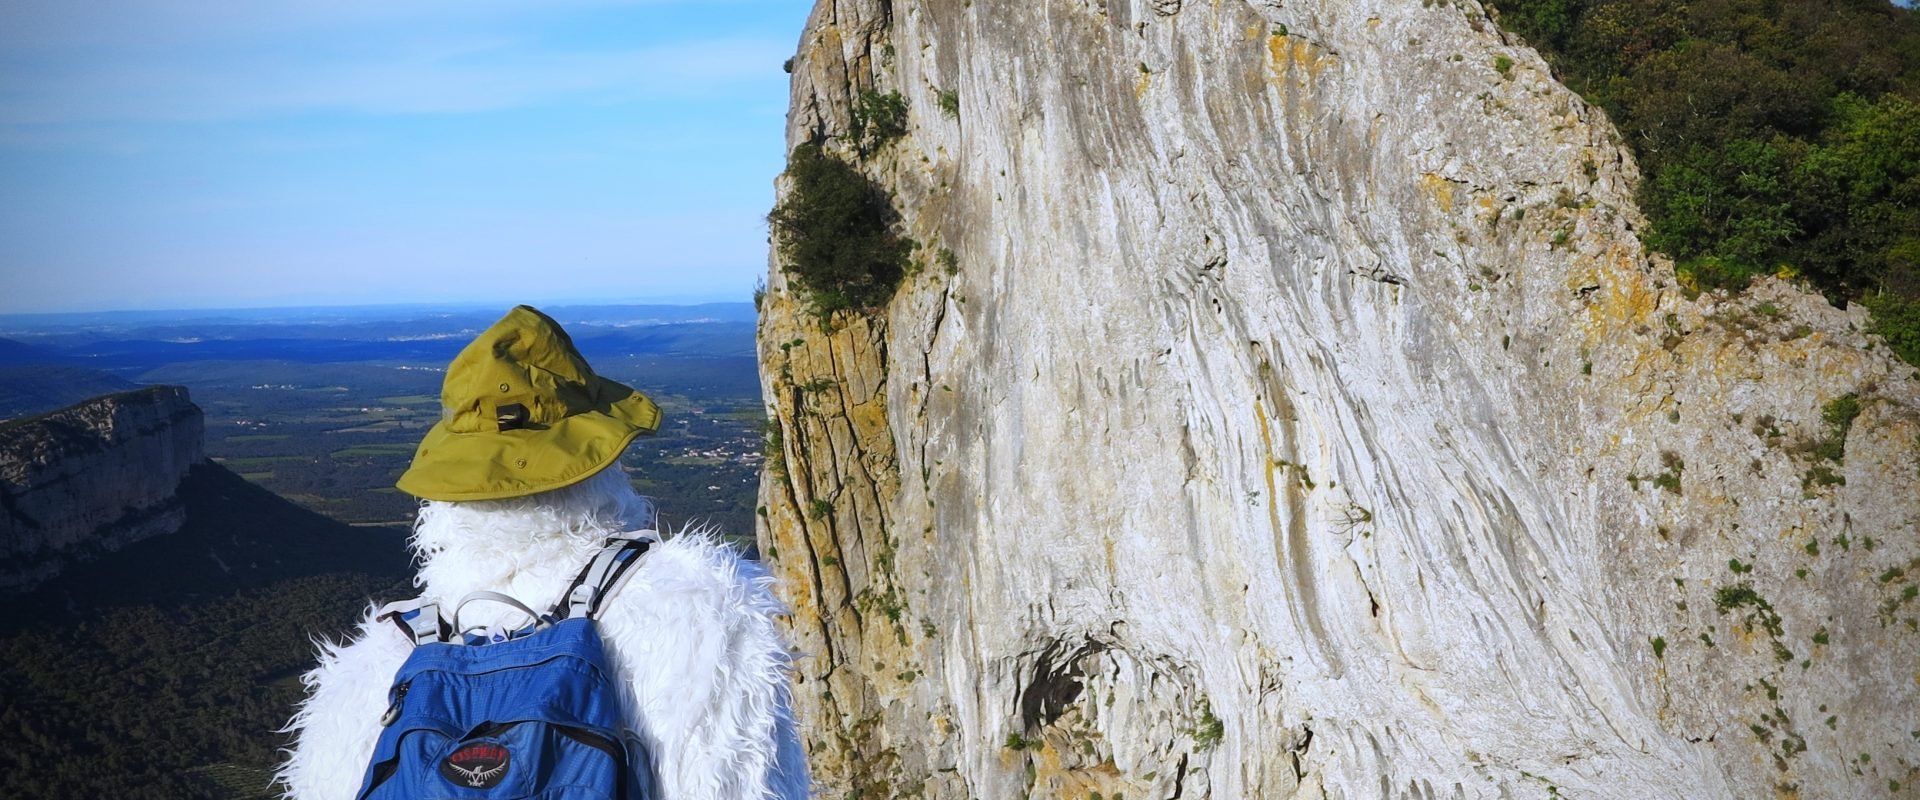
[520, 484]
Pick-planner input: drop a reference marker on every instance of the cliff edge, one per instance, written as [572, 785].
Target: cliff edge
[92, 478]
[1284, 406]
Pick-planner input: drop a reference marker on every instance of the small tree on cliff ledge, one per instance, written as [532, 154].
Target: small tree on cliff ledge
[834, 234]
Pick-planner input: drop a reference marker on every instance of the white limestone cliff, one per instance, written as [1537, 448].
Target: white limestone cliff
[1285, 407]
[92, 478]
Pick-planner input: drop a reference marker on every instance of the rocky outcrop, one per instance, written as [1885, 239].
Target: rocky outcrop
[92, 478]
[1286, 407]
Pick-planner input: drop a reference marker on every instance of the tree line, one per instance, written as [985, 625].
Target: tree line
[1775, 136]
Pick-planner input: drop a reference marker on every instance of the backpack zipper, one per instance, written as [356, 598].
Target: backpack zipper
[393, 711]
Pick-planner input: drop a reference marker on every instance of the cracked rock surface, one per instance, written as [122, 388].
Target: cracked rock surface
[1284, 406]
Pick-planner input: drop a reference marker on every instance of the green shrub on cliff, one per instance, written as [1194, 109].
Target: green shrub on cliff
[1776, 136]
[834, 234]
[877, 119]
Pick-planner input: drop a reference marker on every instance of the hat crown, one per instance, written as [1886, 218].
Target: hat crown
[522, 373]
[522, 414]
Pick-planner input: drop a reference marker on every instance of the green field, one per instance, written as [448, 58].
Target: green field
[377, 427]
[367, 450]
[251, 462]
[339, 453]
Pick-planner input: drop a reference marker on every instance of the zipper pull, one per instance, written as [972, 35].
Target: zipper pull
[393, 711]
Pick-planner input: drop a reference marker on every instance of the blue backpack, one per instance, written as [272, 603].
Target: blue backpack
[528, 713]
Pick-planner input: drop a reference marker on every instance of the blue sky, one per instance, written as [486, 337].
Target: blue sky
[241, 153]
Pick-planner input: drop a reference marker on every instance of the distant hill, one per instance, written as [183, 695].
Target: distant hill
[29, 390]
[14, 353]
[163, 669]
[34, 380]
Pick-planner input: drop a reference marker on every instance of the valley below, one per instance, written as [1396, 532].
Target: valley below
[164, 667]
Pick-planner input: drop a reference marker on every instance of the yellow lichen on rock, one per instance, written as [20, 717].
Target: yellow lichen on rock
[1294, 57]
[1438, 188]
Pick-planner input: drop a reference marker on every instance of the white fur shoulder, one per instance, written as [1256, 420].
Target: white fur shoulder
[703, 674]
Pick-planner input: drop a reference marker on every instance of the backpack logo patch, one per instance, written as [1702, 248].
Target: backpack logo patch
[480, 765]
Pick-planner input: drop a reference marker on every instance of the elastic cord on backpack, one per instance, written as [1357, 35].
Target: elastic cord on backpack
[598, 578]
[486, 632]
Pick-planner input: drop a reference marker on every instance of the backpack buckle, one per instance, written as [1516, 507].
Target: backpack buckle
[580, 601]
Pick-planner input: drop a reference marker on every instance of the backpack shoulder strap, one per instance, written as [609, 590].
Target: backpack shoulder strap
[602, 576]
[418, 620]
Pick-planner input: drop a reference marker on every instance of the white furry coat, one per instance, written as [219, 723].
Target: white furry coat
[701, 668]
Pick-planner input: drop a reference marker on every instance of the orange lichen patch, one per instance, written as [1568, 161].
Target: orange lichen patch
[1438, 188]
[1266, 441]
[796, 586]
[827, 42]
[868, 419]
[1140, 86]
[1743, 633]
[1627, 297]
[1373, 22]
[1055, 774]
[1288, 55]
[1254, 32]
[1277, 47]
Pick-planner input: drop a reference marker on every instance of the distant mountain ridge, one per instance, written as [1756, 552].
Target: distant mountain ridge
[129, 343]
[34, 380]
[331, 321]
[14, 353]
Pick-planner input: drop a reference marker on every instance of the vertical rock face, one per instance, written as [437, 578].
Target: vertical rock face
[92, 477]
[1285, 407]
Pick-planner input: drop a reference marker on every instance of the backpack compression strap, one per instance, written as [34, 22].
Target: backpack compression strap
[418, 621]
[601, 576]
[421, 622]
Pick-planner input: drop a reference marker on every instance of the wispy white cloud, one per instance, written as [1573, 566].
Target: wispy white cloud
[52, 25]
[424, 78]
[129, 61]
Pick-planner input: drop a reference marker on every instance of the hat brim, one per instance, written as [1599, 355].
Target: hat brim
[497, 465]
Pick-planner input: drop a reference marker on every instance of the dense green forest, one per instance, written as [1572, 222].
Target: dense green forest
[1775, 136]
[164, 670]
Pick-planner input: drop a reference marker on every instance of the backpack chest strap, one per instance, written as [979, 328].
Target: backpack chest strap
[602, 576]
[598, 579]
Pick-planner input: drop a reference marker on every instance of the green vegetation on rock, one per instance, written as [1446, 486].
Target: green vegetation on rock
[834, 234]
[878, 119]
[1776, 136]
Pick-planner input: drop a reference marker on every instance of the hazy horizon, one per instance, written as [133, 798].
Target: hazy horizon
[269, 312]
[295, 304]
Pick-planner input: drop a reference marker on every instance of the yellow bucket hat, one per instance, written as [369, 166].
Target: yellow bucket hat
[521, 413]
